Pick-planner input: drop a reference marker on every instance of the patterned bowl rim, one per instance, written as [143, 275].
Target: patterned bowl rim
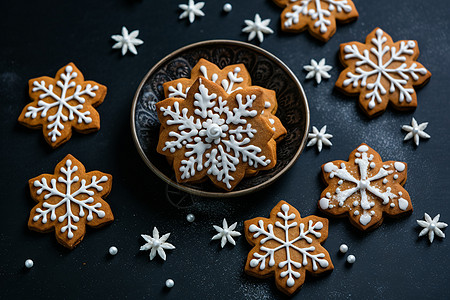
[223, 194]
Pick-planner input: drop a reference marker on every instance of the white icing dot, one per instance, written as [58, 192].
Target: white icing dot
[372, 212]
[190, 218]
[351, 259]
[340, 182]
[113, 250]
[363, 148]
[343, 248]
[267, 104]
[372, 204]
[403, 204]
[372, 165]
[328, 195]
[355, 203]
[399, 166]
[400, 193]
[323, 203]
[170, 283]
[395, 176]
[338, 190]
[385, 181]
[357, 154]
[29, 263]
[356, 213]
[392, 204]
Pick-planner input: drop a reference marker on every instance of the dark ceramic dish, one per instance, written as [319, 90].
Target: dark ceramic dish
[266, 71]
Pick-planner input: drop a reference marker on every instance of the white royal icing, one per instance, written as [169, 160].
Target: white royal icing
[321, 11]
[385, 65]
[210, 125]
[363, 185]
[81, 197]
[287, 245]
[61, 100]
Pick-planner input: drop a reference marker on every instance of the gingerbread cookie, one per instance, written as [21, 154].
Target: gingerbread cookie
[318, 16]
[232, 78]
[286, 246]
[62, 103]
[365, 188]
[214, 134]
[68, 200]
[381, 71]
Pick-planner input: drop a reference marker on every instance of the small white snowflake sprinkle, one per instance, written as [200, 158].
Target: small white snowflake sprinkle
[227, 7]
[113, 250]
[226, 233]
[156, 244]
[170, 283]
[416, 131]
[319, 137]
[351, 259]
[29, 263]
[127, 41]
[318, 70]
[432, 227]
[257, 28]
[192, 10]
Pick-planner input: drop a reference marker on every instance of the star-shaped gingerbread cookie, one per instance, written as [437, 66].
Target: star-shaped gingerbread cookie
[287, 246]
[68, 200]
[63, 103]
[382, 71]
[365, 188]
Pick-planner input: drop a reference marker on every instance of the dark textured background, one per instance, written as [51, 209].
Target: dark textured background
[39, 37]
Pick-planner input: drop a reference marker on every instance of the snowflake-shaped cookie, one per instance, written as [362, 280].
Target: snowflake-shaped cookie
[231, 78]
[286, 246]
[318, 16]
[68, 200]
[62, 103]
[216, 135]
[226, 233]
[382, 71]
[365, 188]
[257, 28]
[156, 244]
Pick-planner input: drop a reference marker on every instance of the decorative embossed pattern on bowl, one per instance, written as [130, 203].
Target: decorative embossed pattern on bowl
[266, 71]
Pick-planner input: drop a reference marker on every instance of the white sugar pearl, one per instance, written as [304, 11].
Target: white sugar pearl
[190, 218]
[113, 250]
[227, 7]
[170, 283]
[343, 248]
[29, 263]
[351, 259]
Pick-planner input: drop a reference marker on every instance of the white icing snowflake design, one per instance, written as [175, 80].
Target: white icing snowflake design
[321, 11]
[127, 41]
[66, 192]
[432, 227]
[384, 63]
[416, 131]
[59, 105]
[156, 244]
[216, 134]
[191, 10]
[226, 233]
[298, 239]
[364, 187]
[319, 138]
[257, 28]
[318, 70]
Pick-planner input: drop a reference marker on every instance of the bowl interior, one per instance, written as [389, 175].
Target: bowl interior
[266, 71]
